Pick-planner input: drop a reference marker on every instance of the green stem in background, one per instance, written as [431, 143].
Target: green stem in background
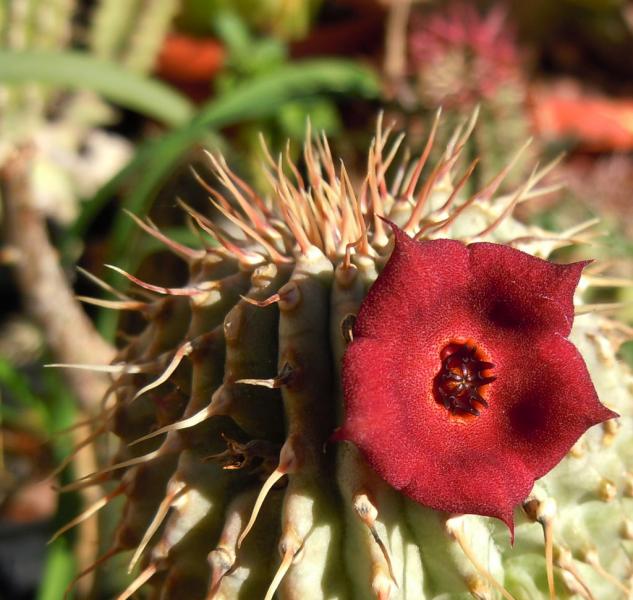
[77, 70]
[59, 570]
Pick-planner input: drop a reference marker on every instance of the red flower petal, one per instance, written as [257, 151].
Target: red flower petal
[435, 280]
[431, 298]
[519, 292]
[553, 404]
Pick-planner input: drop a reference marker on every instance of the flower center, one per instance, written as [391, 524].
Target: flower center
[457, 384]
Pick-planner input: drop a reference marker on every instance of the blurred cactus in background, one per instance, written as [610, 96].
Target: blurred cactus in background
[461, 58]
[458, 58]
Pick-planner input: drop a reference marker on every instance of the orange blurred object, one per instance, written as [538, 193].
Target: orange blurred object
[33, 501]
[188, 59]
[597, 123]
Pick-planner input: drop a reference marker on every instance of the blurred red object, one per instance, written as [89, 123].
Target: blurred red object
[187, 59]
[596, 123]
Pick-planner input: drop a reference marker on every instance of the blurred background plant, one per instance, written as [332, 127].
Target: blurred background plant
[460, 57]
[105, 105]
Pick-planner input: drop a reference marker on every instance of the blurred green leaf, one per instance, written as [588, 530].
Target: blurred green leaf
[626, 352]
[233, 32]
[53, 406]
[79, 70]
[248, 55]
[322, 114]
[59, 570]
[61, 410]
[10, 415]
[28, 408]
[17, 385]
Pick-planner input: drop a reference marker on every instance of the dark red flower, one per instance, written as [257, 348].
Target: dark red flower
[461, 387]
